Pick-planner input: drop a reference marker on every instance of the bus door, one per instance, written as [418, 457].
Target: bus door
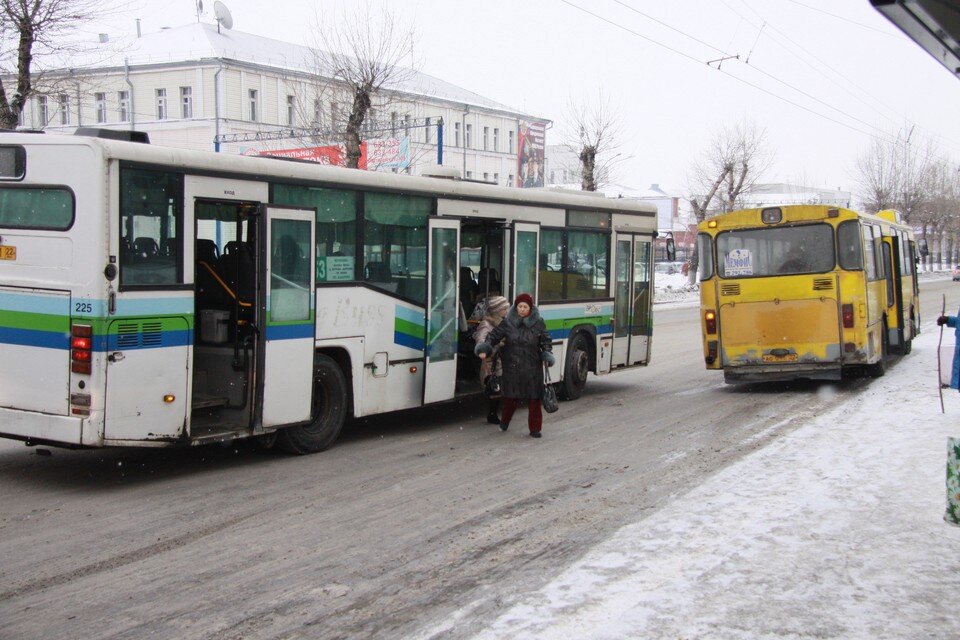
[442, 318]
[633, 300]
[894, 296]
[288, 312]
[524, 267]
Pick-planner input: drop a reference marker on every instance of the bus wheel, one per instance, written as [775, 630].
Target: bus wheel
[575, 369]
[329, 411]
[880, 366]
[908, 344]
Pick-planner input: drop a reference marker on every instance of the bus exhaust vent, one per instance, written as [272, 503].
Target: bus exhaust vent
[131, 335]
[128, 335]
[152, 334]
[823, 284]
[730, 289]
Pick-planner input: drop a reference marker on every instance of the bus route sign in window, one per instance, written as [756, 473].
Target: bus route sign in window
[36, 208]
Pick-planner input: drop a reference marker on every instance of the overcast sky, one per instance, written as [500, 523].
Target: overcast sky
[823, 77]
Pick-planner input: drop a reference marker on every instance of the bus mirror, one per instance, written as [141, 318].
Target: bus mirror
[671, 250]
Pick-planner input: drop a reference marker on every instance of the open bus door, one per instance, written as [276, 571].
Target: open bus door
[632, 307]
[443, 316]
[288, 312]
[899, 326]
[524, 266]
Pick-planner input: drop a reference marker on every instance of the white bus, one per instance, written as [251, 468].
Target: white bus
[152, 296]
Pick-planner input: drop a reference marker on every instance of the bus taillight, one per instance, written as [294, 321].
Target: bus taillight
[710, 321]
[81, 348]
[847, 310]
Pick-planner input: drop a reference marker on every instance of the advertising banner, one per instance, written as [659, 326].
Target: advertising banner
[530, 168]
[374, 154]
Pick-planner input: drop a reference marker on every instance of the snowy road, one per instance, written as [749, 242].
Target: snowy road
[432, 523]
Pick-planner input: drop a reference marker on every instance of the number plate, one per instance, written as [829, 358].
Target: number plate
[790, 357]
[8, 253]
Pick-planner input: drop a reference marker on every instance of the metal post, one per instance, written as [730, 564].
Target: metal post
[440, 141]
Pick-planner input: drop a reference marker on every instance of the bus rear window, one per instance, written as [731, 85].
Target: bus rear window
[36, 208]
[775, 251]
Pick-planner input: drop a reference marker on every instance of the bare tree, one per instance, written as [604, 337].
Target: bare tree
[728, 168]
[893, 173]
[360, 56]
[29, 31]
[594, 131]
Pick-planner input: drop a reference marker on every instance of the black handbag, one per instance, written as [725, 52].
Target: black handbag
[549, 398]
[493, 385]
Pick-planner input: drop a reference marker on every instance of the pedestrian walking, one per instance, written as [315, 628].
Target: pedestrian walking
[951, 321]
[495, 310]
[526, 347]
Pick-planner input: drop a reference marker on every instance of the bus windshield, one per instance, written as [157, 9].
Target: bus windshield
[775, 251]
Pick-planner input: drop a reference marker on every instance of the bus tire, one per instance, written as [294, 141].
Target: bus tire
[879, 368]
[329, 411]
[575, 368]
[908, 344]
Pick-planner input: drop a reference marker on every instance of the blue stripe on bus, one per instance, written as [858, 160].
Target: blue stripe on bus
[35, 338]
[177, 338]
[410, 315]
[405, 340]
[289, 331]
[577, 311]
[50, 304]
[561, 334]
[155, 306]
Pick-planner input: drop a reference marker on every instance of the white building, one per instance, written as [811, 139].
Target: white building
[192, 85]
[782, 193]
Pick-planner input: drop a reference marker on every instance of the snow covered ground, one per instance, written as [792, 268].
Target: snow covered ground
[833, 531]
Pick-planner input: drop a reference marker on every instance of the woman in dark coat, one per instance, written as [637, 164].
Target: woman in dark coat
[526, 347]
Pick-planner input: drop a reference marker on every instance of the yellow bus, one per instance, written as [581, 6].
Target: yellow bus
[806, 291]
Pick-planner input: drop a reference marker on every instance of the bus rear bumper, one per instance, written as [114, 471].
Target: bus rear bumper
[45, 428]
[781, 373]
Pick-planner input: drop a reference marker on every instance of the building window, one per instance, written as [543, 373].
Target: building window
[406, 125]
[100, 100]
[291, 111]
[123, 99]
[496, 139]
[393, 124]
[426, 130]
[456, 134]
[486, 138]
[334, 115]
[161, 104]
[486, 177]
[510, 181]
[64, 101]
[496, 178]
[43, 110]
[510, 140]
[186, 102]
[469, 174]
[317, 111]
[252, 94]
[468, 141]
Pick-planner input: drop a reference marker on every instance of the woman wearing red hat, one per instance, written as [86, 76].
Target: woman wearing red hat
[526, 347]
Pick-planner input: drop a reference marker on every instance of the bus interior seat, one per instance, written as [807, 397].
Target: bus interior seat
[468, 287]
[236, 264]
[379, 274]
[489, 281]
[145, 248]
[170, 247]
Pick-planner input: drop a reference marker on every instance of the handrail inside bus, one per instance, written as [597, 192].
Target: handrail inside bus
[225, 286]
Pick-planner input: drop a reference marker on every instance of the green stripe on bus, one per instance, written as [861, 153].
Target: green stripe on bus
[408, 328]
[34, 321]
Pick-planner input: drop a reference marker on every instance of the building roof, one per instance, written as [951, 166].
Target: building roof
[200, 41]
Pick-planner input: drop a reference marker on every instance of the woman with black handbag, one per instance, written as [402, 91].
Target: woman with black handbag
[526, 346]
[495, 309]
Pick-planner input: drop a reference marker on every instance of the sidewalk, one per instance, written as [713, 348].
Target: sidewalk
[833, 531]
